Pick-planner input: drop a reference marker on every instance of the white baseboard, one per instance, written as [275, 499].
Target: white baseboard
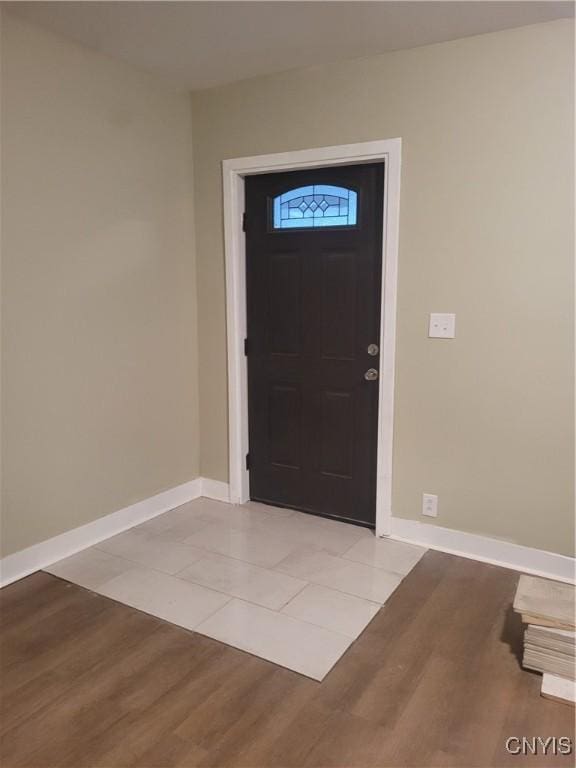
[27, 561]
[485, 549]
[215, 489]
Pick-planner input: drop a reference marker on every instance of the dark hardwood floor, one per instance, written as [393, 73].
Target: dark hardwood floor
[433, 681]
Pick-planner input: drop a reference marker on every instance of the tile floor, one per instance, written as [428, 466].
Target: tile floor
[291, 588]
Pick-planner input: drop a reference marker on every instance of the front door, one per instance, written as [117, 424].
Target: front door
[314, 262]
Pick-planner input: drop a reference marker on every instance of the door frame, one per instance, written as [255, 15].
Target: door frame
[234, 171]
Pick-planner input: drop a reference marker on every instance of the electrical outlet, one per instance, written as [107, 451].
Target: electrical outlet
[429, 505]
[442, 325]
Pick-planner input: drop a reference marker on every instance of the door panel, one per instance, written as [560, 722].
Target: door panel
[338, 309]
[313, 300]
[337, 433]
[284, 422]
[284, 308]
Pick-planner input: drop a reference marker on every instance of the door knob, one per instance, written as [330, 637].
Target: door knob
[371, 374]
[372, 349]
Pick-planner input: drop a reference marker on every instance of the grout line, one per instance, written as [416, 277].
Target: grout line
[204, 551]
[273, 569]
[306, 584]
[384, 570]
[244, 599]
[210, 615]
[292, 618]
[222, 592]
[300, 620]
[150, 613]
[346, 594]
[146, 566]
[351, 594]
[267, 660]
[351, 638]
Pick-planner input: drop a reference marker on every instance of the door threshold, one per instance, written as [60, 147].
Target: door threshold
[336, 518]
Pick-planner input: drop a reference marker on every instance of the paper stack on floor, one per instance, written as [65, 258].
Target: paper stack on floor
[548, 608]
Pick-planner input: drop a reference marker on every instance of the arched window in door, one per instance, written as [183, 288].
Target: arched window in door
[320, 205]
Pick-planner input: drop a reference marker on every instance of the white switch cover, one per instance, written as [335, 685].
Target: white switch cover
[430, 505]
[442, 325]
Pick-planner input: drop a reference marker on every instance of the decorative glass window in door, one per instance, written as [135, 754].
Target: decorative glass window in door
[320, 205]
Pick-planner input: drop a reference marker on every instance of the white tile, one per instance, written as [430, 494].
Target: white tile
[269, 509]
[252, 545]
[294, 644]
[90, 568]
[154, 525]
[328, 535]
[151, 551]
[333, 610]
[164, 596]
[241, 517]
[249, 582]
[351, 528]
[218, 550]
[171, 518]
[344, 575]
[182, 529]
[181, 523]
[395, 556]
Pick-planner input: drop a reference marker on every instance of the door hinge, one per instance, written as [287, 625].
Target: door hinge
[247, 461]
[246, 347]
[243, 222]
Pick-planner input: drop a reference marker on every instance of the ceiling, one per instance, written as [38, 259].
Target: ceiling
[203, 44]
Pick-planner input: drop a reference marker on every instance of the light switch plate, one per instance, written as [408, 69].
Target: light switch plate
[442, 325]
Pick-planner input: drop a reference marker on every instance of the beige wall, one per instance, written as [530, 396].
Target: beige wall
[99, 318]
[100, 364]
[485, 421]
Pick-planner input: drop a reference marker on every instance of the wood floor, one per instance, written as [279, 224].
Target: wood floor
[433, 681]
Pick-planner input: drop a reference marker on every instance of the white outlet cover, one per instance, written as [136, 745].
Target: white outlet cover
[442, 325]
[430, 504]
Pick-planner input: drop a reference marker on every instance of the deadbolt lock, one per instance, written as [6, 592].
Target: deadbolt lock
[373, 349]
[371, 374]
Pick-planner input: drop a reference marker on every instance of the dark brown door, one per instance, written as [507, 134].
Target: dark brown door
[313, 254]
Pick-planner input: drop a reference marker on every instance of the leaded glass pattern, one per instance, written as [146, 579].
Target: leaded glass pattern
[319, 205]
